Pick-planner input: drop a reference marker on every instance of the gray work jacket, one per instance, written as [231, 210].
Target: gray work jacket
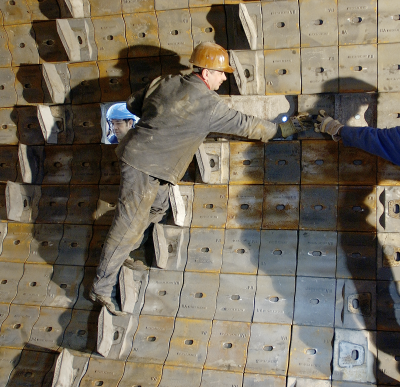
[176, 114]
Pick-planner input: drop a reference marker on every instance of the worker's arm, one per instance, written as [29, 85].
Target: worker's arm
[135, 101]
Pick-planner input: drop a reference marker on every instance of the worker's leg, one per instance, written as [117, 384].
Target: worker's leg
[136, 196]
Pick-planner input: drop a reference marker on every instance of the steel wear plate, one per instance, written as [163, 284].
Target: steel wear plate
[180, 377]
[319, 164]
[387, 115]
[8, 122]
[388, 256]
[356, 167]
[131, 6]
[74, 245]
[57, 165]
[199, 295]
[205, 250]
[357, 22]
[278, 252]
[9, 358]
[85, 87]
[16, 328]
[31, 163]
[28, 85]
[16, 244]
[32, 368]
[11, 273]
[357, 209]
[32, 287]
[8, 163]
[141, 375]
[49, 9]
[208, 24]
[358, 68]
[388, 306]
[293, 381]
[318, 22]
[110, 173]
[96, 245]
[48, 42]
[214, 378]
[358, 109]
[101, 371]
[314, 302]
[22, 44]
[246, 163]
[318, 207]
[85, 164]
[188, 345]
[115, 334]
[388, 350]
[210, 206]
[281, 207]
[257, 380]
[3, 233]
[174, 28]
[319, 69]
[244, 33]
[162, 293]
[227, 348]
[356, 255]
[62, 291]
[249, 72]
[5, 54]
[282, 162]
[245, 206]
[114, 80]
[151, 341]
[53, 204]
[8, 94]
[282, 70]
[86, 124]
[48, 331]
[15, 13]
[56, 123]
[268, 351]
[355, 304]
[354, 356]
[388, 173]
[274, 300]
[106, 205]
[388, 68]
[179, 204]
[235, 299]
[241, 251]
[142, 71]
[132, 287]
[281, 24]
[81, 332]
[218, 158]
[82, 202]
[311, 352]
[317, 254]
[388, 26]
[142, 34]
[387, 213]
[109, 35]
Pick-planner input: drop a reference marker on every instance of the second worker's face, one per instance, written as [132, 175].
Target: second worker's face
[121, 127]
[215, 79]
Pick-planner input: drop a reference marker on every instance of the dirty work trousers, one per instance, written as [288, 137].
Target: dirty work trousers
[142, 200]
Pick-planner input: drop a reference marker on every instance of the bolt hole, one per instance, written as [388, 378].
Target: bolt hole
[25, 203]
[170, 249]
[81, 204]
[99, 383]
[199, 295]
[142, 35]
[114, 81]
[1, 87]
[17, 326]
[111, 205]
[32, 284]
[274, 299]
[227, 345]
[116, 336]
[45, 243]
[244, 207]
[4, 126]
[319, 162]
[209, 206]
[282, 72]
[63, 286]
[314, 301]
[246, 162]
[85, 164]
[357, 209]
[240, 251]
[80, 40]
[48, 329]
[357, 162]
[396, 17]
[396, 209]
[397, 256]
[22, 45]
[174, 32]
[282, 162]
[74, 244]
[81, 332]
[11, 2]
[27, 86]
[280, 207]
[151, 338]
[28, 374]
[280, 24]
[110, 37]
[358, 68]
[318, 22]
[58, 165]
[208, 30]
[205, 250]
[86, 123]
[316, 253]
[355, 354]
[162, 293]
[212, 163]
[355, 304]
[268, 348]
[318, 207]
[17, 242]
[356, 20]
[3, 282]
[355, 255]
[247, 73]
[319, 70]
[3, 165]
[277, 252]
[311, 351]
[50, 42]
[52, 204]
[189, 342]
[235, 297]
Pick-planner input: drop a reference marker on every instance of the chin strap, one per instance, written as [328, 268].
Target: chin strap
[198, 75]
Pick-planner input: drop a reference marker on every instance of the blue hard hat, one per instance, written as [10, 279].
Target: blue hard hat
[119, 111]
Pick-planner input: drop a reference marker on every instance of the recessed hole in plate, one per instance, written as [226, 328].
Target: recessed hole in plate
[4, 126]
[22, 45]
[357, 209]
[356, 20]
[99, 383]
[116, 335]
[174, 32]
[397, 256]
[48, 329]
[273, 299]
[244, 207]
[45, 243]
[170, 249]
[355, 255]
[280, 207]
[240, 251]
[316, 253]
[74, 244]
[17, 242]
[198, 295]
[318, 207]
[355, 303]
[80, 41]
[17, 326]
[319, 162]
[282, 71]
[49, 42]
[151, 338]
[205, 250]
[235, 297]
[318, 22]
[110, 37]
[212, 163]
[268, 348]
[208, 30]
[355, 354]
[358, 68]
[3, 282]
[85, 164]
[280, 24]
[277, 252]
[209, 206]
[86, 123]
[81, 332]
[32, 284]
[28, 374]
[246, 162]
[227, 345]
[63, 286]
[282, 162]
[25, 203]
[319, 70]
[357, 162]
[142, 35]
[189, 342]
[247, 73]
[314, 301]
[311, 351]
[162, 293]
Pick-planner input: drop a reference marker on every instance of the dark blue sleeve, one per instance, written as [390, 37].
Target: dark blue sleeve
[381, 142]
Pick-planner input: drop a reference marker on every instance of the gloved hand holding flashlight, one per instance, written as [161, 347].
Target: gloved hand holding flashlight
[326, 124]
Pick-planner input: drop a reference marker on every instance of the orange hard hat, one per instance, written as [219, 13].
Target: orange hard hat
[211, 56]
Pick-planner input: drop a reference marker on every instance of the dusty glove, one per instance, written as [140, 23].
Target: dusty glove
[326, 124]
[296, 124]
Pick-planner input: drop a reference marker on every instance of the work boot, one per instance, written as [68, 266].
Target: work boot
[108, 302]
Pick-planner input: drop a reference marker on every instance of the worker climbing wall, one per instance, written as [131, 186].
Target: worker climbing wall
[279, 262]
